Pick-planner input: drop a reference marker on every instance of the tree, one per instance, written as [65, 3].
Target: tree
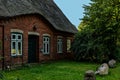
[82, 25]
[102, 32]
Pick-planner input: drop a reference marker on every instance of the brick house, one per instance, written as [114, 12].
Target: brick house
[33, 31]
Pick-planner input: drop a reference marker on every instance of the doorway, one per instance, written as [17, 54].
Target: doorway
[33, 49]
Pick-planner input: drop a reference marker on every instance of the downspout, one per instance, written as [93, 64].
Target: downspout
[3, 47]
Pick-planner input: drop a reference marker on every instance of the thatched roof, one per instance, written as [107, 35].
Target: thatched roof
[46, 8]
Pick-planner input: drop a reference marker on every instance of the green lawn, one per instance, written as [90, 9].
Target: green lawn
[59, 70]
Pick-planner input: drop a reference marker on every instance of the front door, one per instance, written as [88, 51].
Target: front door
[33, 47]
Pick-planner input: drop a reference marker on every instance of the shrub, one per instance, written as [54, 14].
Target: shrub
[89, 46]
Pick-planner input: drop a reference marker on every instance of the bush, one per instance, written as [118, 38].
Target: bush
[117, 54]
[90, 46]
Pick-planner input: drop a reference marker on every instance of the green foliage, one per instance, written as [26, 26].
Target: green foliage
[2, 77]
[87, 48]
[82, 25]
[99, 31]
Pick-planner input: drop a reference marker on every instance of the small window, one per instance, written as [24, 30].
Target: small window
[16, 44]
[46, 45]
[59, 45]
[68, 44]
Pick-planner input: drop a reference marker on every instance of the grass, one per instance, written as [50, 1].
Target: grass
[59, 70]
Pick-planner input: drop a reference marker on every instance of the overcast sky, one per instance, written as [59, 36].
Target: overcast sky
[73, 9]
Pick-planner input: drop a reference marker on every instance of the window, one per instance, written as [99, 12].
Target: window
[46, 45]
[16, 44]
[68, 44]
[59, 45]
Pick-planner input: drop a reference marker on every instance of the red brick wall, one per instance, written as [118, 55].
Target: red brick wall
[0, 46]
[65, 54]
[26, 23]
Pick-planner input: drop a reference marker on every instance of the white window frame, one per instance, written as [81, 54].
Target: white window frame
[46, 45]
[17, 41]
[59, 45]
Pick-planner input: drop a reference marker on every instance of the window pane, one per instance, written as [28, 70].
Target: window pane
[13, 36]
[44, 48]
[47, 39]
[59, 46]
[47, 48]
[19, 48]
[19, 36]
[44, 39]
[68, 44]
[13, 49]
[13, 45]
